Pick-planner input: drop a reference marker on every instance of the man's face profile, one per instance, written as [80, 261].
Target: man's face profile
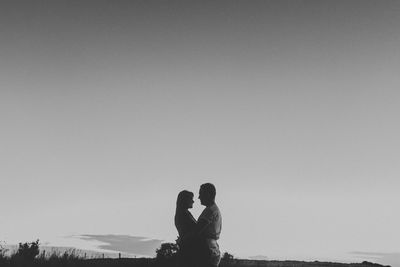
[202, 197]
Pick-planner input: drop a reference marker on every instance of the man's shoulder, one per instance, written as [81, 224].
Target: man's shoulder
[214, 208]
[210, 211]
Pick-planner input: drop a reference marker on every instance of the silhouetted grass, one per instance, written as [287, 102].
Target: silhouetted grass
[28, 255]
[71, 260]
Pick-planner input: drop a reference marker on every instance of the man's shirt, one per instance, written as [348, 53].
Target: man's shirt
[212, 215]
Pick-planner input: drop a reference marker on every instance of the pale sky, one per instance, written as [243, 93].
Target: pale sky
[109, 109]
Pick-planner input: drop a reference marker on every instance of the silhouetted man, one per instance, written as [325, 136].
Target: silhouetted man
[209, 227]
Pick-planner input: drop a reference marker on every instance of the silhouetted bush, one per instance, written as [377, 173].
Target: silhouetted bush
[166, 255]
[3, 258]
[28, 251]
[167, 251]
[2, 250]
[25, 254]
[227, 258]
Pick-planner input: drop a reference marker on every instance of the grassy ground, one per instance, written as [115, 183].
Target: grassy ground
[148, 262]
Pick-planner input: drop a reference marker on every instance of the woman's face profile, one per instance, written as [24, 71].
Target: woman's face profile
[189, 202]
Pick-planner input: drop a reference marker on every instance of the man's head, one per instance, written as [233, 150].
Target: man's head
[207, 194]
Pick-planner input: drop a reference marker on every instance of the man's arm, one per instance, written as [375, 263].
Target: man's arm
[201, 225]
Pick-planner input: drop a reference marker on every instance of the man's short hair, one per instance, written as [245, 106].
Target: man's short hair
[209, 189]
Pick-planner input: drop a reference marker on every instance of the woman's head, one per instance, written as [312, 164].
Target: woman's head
[185, 200]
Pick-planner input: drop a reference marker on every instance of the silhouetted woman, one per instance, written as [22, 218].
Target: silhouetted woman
[185, 224]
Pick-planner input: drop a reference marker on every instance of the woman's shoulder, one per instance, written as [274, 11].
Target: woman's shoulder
[183, 214]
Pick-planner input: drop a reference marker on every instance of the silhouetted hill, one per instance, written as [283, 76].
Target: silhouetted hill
[272, 263]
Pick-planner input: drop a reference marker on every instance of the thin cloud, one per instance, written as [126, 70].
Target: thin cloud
[135, 245]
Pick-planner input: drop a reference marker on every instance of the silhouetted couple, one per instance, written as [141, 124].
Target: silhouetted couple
[198, 239]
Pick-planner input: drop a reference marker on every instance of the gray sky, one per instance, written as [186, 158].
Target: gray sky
[109, 109]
